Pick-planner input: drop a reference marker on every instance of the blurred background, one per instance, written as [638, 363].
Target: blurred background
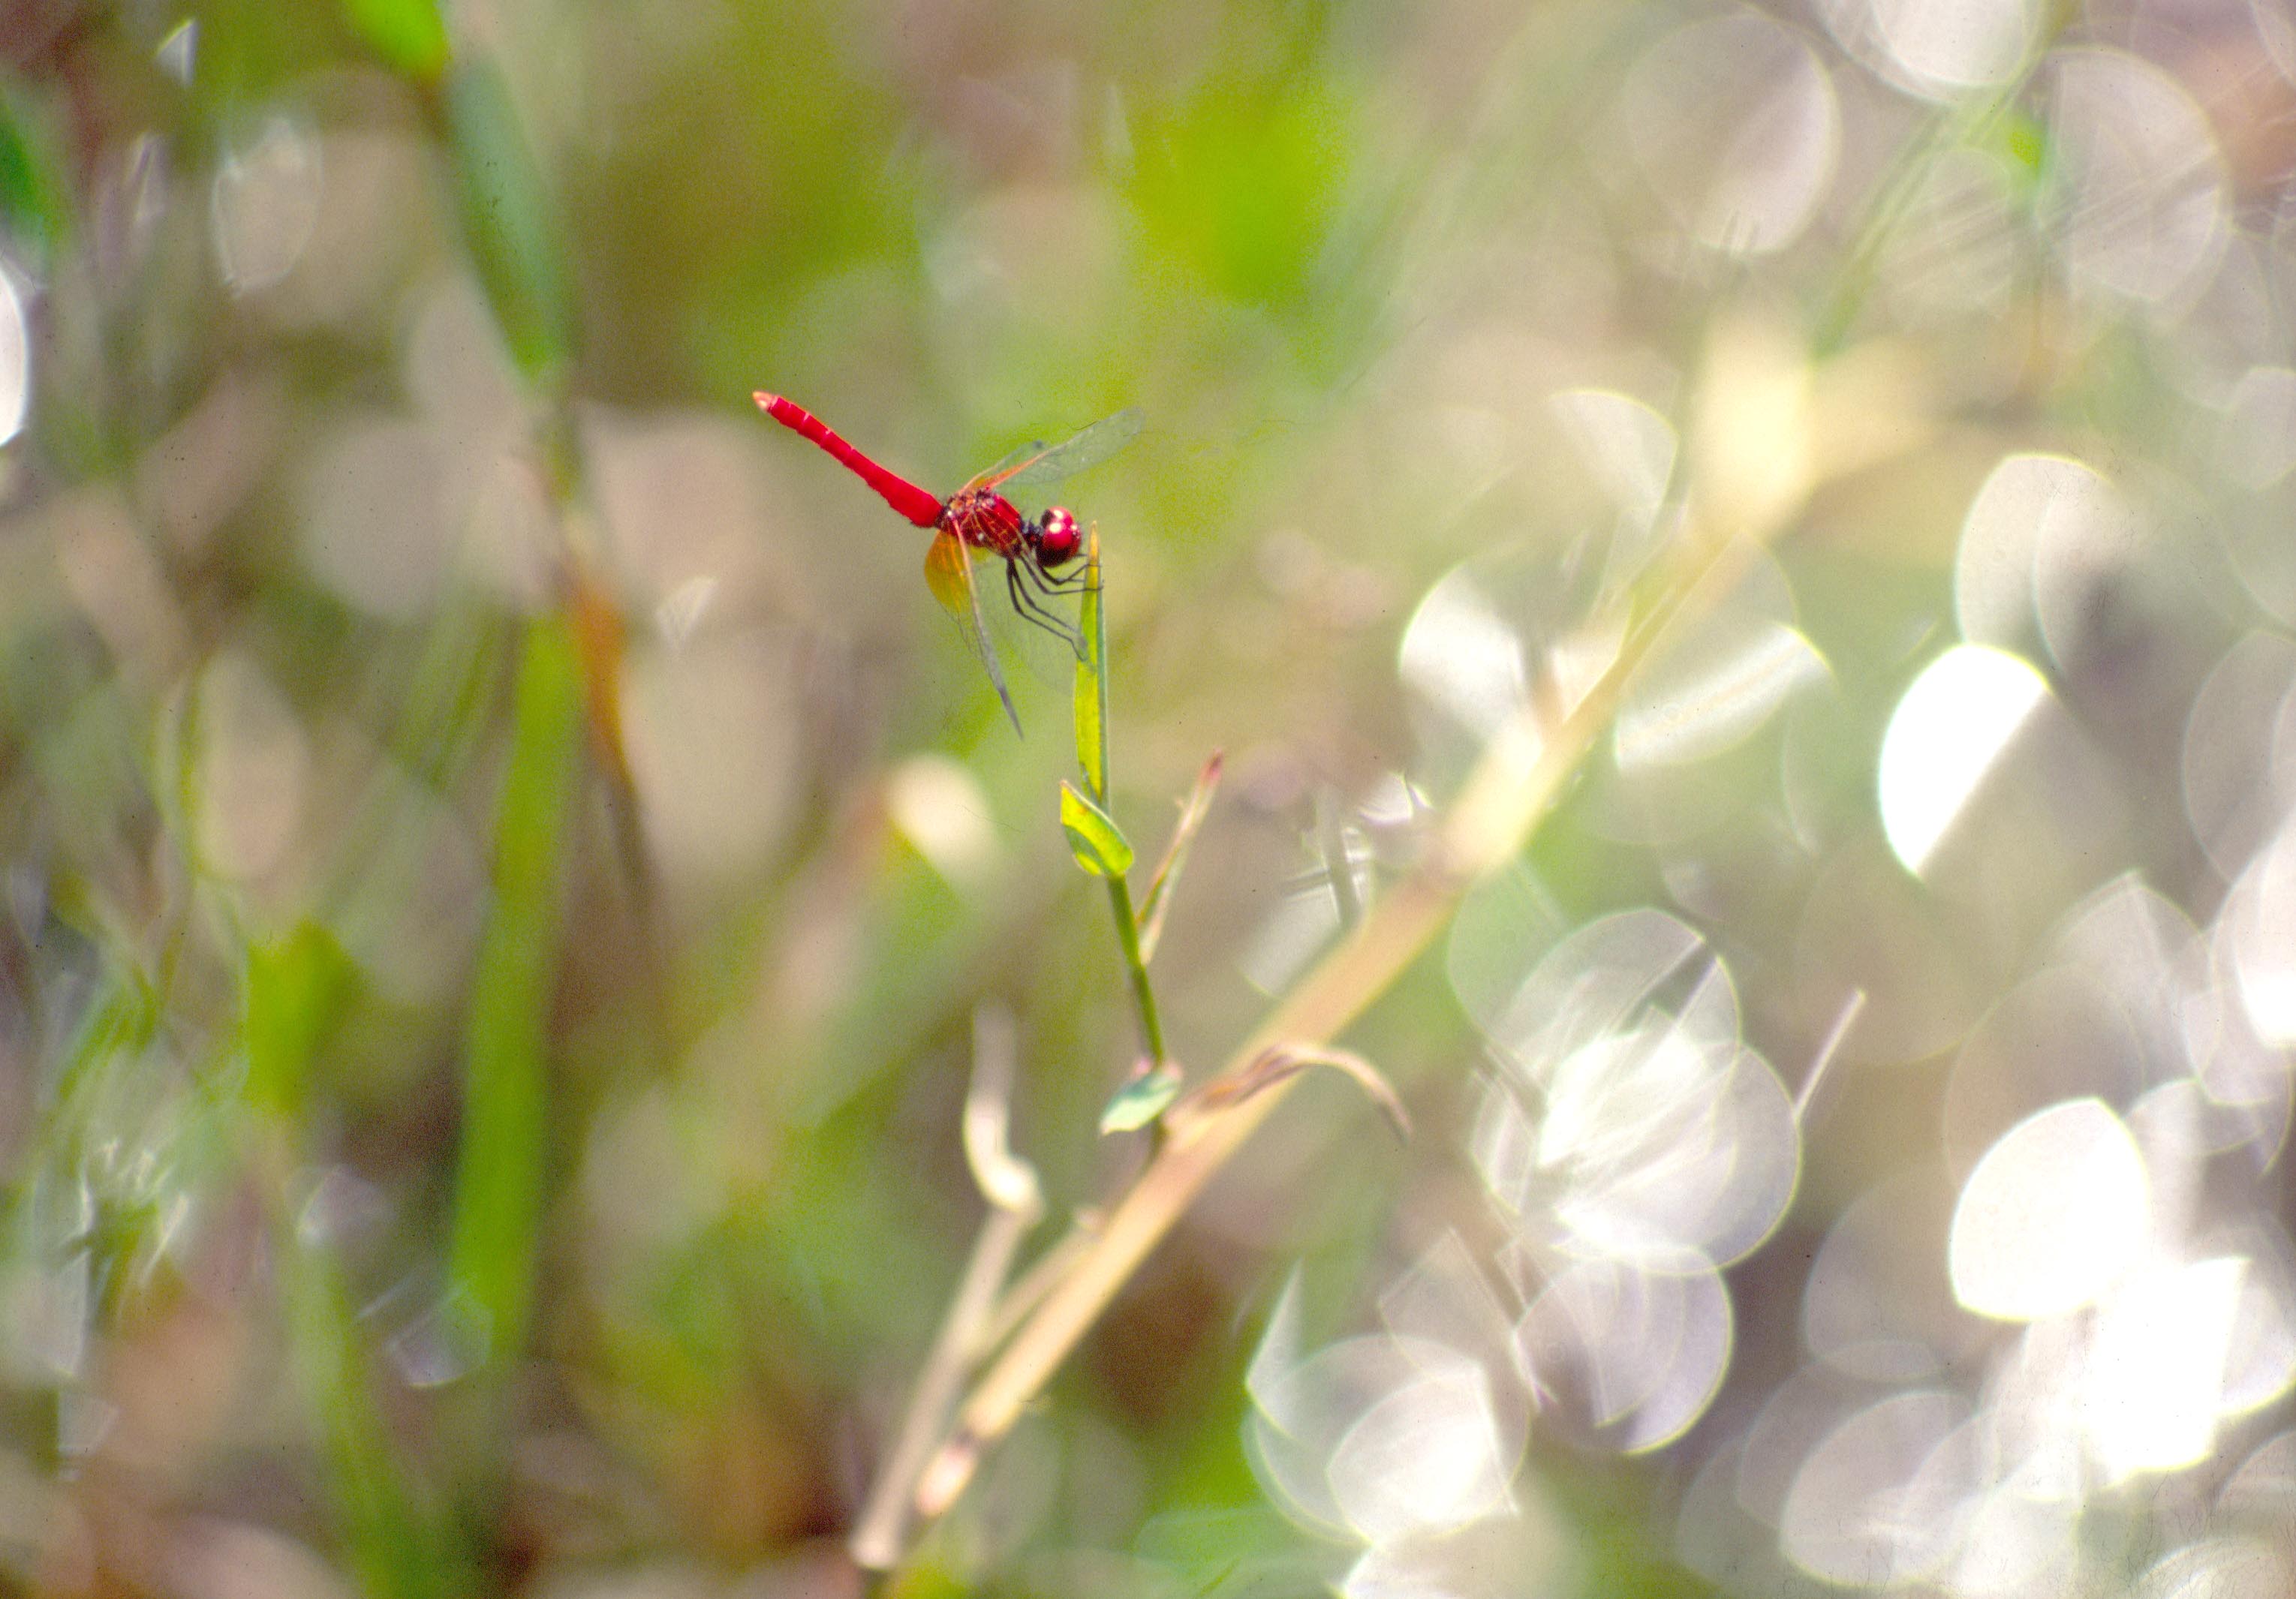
[503, 857]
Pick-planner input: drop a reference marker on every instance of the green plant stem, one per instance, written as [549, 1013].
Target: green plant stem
[1735, 503]
[1127, 937]
[1518, 779]
[1092, 756]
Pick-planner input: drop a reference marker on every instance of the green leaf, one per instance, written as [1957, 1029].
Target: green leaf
[498, 1200]
[294, 991]
[33, 209]
[396, 1544]
[408, 34]
[1098, 844]
[507, 221]
[1141, 1100]
[1092, 680]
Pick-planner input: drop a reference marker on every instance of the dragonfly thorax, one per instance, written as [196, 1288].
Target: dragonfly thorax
[987, 520]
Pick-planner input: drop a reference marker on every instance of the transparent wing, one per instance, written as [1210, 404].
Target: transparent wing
[1038, 465]
[948, 573]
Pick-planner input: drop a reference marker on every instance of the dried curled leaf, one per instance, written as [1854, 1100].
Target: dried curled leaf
[1280, 1062]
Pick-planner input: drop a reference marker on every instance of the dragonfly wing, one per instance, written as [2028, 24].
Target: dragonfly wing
[1038, 466]
[1035, 450]
[948, 573]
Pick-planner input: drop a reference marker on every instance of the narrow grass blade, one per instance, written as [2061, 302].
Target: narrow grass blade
[292, 993]
[508, 221]
[499, 1182]
[398, 1546]
[1092, 680]
[1192, 811]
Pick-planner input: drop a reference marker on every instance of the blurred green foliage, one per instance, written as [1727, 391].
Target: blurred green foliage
[500, 856]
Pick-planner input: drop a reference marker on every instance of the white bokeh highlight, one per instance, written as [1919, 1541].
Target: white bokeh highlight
[2142, 189]
[15, 359]
[1948, 732]
[1937, 49]
[263, 206]
[2052, 1216]
[1736, 126]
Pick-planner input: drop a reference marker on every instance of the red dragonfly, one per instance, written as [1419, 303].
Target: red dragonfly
[980, 516]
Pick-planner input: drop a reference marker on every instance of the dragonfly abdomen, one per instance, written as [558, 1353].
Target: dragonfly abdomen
[905, 497]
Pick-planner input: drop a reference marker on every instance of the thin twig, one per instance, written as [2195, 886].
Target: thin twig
[1015, 1206]
[1852, 1009]
[1029, 1288]
[1519, 762]
[1339, 862]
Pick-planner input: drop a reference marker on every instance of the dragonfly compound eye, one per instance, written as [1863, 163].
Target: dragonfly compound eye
[1057, 539]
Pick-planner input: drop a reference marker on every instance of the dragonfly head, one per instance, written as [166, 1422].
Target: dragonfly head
[1057, 542]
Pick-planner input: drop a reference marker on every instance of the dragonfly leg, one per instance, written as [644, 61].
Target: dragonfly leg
[1057, 585]
[1049, 587]
[1032, 609]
